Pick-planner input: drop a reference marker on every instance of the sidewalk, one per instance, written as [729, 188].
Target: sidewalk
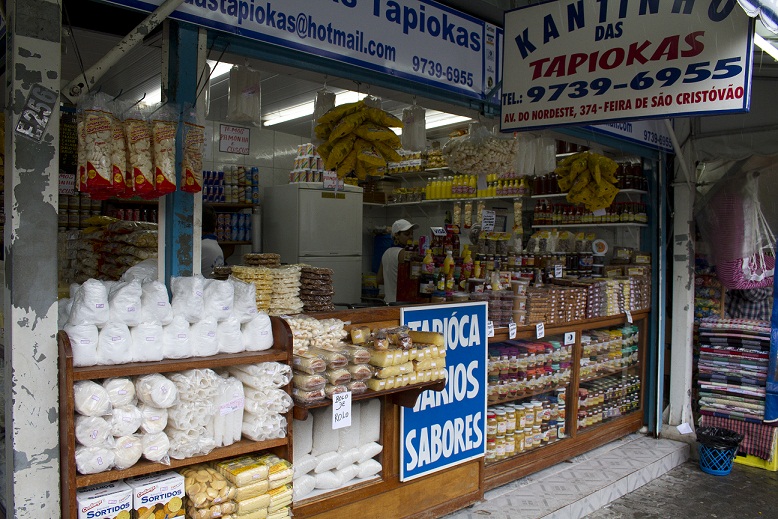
[584, 484]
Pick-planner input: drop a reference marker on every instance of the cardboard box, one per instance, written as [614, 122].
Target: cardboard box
[105, 501]
[158, 496]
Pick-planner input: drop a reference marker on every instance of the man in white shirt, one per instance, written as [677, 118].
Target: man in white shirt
[402, 232]
[212, 254]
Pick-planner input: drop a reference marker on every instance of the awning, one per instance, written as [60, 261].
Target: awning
[766, 10]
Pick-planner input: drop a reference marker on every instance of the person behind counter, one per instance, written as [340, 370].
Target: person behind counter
[402, 232]
[212, 254]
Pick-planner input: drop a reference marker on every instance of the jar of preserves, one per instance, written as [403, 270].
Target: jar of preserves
[510, 445]
[536, 436]
[491, 425]
[510, 420]
[520, 416]
[502, 422]
[528, 441]
[560, 428]
[499, 449]
[519, 439]
[529, 415]
[491, 451]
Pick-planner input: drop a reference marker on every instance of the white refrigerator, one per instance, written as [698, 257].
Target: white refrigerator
[323, 228]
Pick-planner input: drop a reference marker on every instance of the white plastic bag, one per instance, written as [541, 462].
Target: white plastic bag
[155, 303]
[188, 297]
[90, 304]
[83, 343]
[204, 338]
[63, 312]
[147, 342]
[114, 344]
[245, 299]
[91, 399]
[244, 95]
[156, 390]
[414, 135]
[176, 339]
[124, 300]
[229, 336]
[257, 334]
[218, 299]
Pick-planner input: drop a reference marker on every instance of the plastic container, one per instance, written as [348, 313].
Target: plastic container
[717, 448]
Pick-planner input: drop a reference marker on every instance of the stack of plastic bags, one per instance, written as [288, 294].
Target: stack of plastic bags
[177, 416]
[210, 494]
[328, 459]
[265, 402]
[116, 323]
[120, 421]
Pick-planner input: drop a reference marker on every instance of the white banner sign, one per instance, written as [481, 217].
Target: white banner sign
[420, 40]
[585, 61]
[647, 132]
[234, 139]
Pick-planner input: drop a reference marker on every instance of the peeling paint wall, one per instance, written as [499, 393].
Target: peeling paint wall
[30, 241]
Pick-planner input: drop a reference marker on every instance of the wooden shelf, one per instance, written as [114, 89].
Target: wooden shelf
[579, 225]
[621, 191]
[526, 395]
[402, 396]
[148, 467]
[525, 453]
[168, 365]
[610, 373]
[229, 205]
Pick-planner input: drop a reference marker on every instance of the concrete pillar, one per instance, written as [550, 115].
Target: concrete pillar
[30, 304]
[683, 302]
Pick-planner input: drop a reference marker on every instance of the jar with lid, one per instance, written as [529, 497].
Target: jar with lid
[528, 442]
[561, 395]
[560, 428]
[499, 449]
[553, 431]
[519, 438]
[544, 433]
[510, 445]
[491, 425]
[529, 415]
[502, 422]
[536, 436]
[510, 420]
[491, 450]
[538, 411]
[546, 406]
[520, 416]
[554, 412]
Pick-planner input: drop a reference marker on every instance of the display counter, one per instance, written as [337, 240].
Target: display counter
[599, 405]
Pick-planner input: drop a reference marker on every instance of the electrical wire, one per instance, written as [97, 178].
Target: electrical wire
[64, 11]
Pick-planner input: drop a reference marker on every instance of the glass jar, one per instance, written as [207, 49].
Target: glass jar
[553, 431]
[560, 428]
[521, 412]
[491, 451]
[536, 436]
[561, 395]
[529, 415]
[499, 449]
[510, 420]
[502, 422]
[528, 442]
[491, 425]
[544, 433]
[519, 438]
[510, 445]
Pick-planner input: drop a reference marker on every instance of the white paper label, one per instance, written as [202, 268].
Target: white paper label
[489, 329]
[629, 316]
[599, 212]
[512, 330]
[569, 338]
[488, 218]
[540, 330]
[557, 271]
[341, 410]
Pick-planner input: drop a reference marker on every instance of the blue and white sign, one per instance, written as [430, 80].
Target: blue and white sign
[648, 132]
[588, 61]
[448, 427]
[419, 40]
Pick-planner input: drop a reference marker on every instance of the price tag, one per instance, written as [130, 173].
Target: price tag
[557, 271]
[629, 316]
[341, 410]
[540, 330]
[512, 330]
[488, 218]
[329, 180]
[569, 338]
[37, 112]
[599, 212]
[438, 231]
[489, 328]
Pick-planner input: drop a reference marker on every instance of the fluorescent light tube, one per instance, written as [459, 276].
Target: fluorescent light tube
[766, 46]
[306, 109]
[219, 70]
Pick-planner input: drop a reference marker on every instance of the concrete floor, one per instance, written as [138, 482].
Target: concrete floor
[686, 492]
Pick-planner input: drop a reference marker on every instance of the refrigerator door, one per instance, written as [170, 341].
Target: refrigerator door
[330, 224]
[346, 277]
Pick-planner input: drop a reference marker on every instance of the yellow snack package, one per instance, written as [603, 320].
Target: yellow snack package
[360, 170]
[348, 164]
[323, 131]
[372, 132]
[347, 125]
[336, 114]
[324, 150]
[340, 151]
[389, 153]
[370, 157]
[383, 118]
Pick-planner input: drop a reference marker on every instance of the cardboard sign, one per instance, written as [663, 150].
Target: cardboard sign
[341, 410]
[234, 139]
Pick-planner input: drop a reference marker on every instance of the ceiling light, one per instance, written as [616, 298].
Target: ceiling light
[218, 69]
[306, 109]
[436, 119]
[766, 46]
[153, 97]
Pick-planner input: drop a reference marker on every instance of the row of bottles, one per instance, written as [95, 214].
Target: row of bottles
[547, 213]
[466, 186]
[628, 176]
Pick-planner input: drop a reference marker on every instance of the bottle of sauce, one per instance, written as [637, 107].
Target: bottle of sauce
[428, 263]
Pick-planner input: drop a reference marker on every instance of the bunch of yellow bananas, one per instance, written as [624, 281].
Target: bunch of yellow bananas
[589, 179]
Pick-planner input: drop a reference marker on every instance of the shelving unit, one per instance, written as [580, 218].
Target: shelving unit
[444, 200]
[464, 484]
[71, 481]
[621, 191]
[579, 225]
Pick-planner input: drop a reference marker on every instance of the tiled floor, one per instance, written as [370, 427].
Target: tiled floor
[584, 484]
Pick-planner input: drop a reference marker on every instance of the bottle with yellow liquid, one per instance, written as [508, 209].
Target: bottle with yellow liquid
[428, 263]
[448, 263]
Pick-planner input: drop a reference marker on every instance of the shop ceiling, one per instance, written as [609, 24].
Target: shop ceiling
[94, 28]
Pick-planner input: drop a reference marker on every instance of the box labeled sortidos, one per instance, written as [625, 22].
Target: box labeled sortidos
[105, 501]
[158, 496]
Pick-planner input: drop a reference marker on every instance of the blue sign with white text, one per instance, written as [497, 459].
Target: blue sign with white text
[448, 427]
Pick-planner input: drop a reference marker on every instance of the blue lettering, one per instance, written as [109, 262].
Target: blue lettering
[717, 15]
[525, 46]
